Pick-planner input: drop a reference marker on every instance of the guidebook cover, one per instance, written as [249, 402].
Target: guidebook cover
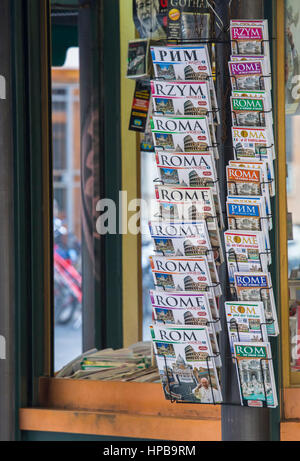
[249, 37]
[254, 142]
[246, 322]
[257, 286]
[184, 63]
[194, 245]
[162, 331]
[182, 134]
[255, 374]
[186, 372]
[137, 61]
[249, 75]
[245, 252]
[184, 274]
[182, 98]
[183, 309]
[258, 57]
[190, 229]
[250, 112]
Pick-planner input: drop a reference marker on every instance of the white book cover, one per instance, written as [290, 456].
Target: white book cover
[184, 274]
[192, 204]
[193, 245]
[248, 213]
[255, 373]
[184, 63]
[250, 112]
[249, 37]
[183, 134]
[246, 322]
[182, 98]
[254, 142]
[189, 229]
[249, 75]
[264, 95]
[186, 371]
[249, 179]
[160, 327]
[245, 252]
[250, 57]
[257, 286]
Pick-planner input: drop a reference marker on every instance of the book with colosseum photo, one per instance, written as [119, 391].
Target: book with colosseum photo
[188, 62]
[257, 286]
[187, 370]
[246, 252]
[246, 322]
[250, 74]
[185, 308]
[255, 374]
[182, 98]
[172, 273]
[250, 112]
[189, 245]
[183, 134]
[196, 315]
[250, 37]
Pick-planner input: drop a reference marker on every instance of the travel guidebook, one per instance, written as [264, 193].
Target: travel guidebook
[160, 327]
[183, 134]
[249, 37]
[245, 252]
[184, 63]
[255, 374]
[186, 370]
[248, 213]
[182, 98]
[265, 187]
[185, 231]
[246, 322]
[265, 60]
[250, 112]
[193, 245]
[137, 66]
[249, 75]
[205, 201]
[185, 274]
[257, 286]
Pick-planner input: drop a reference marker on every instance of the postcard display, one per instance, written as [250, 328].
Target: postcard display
[186, 227]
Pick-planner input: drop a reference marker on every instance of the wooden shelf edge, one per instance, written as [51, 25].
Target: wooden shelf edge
[119, 425]
[134, 398]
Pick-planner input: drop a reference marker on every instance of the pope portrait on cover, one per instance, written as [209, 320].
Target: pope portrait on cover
[147, 18]
[204, 392]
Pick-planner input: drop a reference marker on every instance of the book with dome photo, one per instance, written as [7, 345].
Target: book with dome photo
[186, 365]
[255, 373]
[185, 274]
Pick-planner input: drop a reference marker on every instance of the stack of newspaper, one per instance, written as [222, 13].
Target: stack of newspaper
[186, 225]
[251, 185]
[129, 364]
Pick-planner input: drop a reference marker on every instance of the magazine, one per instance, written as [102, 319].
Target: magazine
[185, 274]
[248, 213]
[137, 61]
[246, 322]
[250, 112]
[188, 20]
[249, 75]
[190, 229]
[255, 374]
[183, 134]
[183, 309]
[250, 37]
[150, 18]
[193, 245]
[185, 63]
[182, 98]
[257, 286]
[187, 371]
[191, 203]
[245, 252]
